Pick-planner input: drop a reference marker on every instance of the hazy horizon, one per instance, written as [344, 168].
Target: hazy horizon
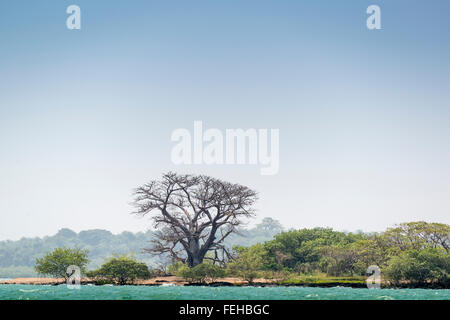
[250, 225]
[87, 115]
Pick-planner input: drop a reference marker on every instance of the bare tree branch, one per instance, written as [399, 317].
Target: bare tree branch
[194, 214]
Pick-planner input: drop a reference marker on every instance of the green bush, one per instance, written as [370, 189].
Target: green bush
[56, 263]
[120, 270]
[430, 265]
[247, 263]
[201, 273]
[175, 267]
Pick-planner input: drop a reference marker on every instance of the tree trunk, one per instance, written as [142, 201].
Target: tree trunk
[195, 257]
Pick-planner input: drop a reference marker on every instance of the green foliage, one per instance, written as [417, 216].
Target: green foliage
[247, 263]
[430, 265]
[201, 273]
[322, 279]
[352, 258]
[298, 247]
[57, 262]
[419, 235]
[367, 252]
[121, 270]
[415, 252]
[17, 258]
[338, 260]
[174, 268]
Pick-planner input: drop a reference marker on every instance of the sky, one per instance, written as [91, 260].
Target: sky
[87, 115]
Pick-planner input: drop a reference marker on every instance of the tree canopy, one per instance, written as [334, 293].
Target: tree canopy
[56, 263]
[194, 214]
[121, 270]
[247, 262]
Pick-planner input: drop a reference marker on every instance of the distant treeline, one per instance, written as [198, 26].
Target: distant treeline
[18, 258]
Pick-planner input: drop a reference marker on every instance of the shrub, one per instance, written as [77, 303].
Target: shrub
[247, 263]
[121, 270]
[420, 266]
[201, 273]
[175, 267]
[56, 263]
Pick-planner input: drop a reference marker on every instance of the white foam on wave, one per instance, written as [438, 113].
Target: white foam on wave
[167, 285]
[30, 290]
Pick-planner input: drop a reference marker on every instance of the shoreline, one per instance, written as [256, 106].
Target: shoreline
[177, 281]
[229, 282]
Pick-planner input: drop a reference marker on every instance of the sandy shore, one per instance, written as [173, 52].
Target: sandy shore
[150, 282]
[173, 280]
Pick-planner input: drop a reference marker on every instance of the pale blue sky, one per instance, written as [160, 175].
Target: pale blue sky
[85, 116]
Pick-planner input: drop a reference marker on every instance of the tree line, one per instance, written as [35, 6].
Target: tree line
[414, 253]
[411, 254]
[18, 258]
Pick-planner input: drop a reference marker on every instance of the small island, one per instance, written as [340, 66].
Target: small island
[195, 215]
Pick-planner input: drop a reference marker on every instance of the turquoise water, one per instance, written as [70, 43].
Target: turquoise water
[61, 292]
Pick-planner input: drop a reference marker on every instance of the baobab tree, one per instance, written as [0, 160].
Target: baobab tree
[193, 215]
